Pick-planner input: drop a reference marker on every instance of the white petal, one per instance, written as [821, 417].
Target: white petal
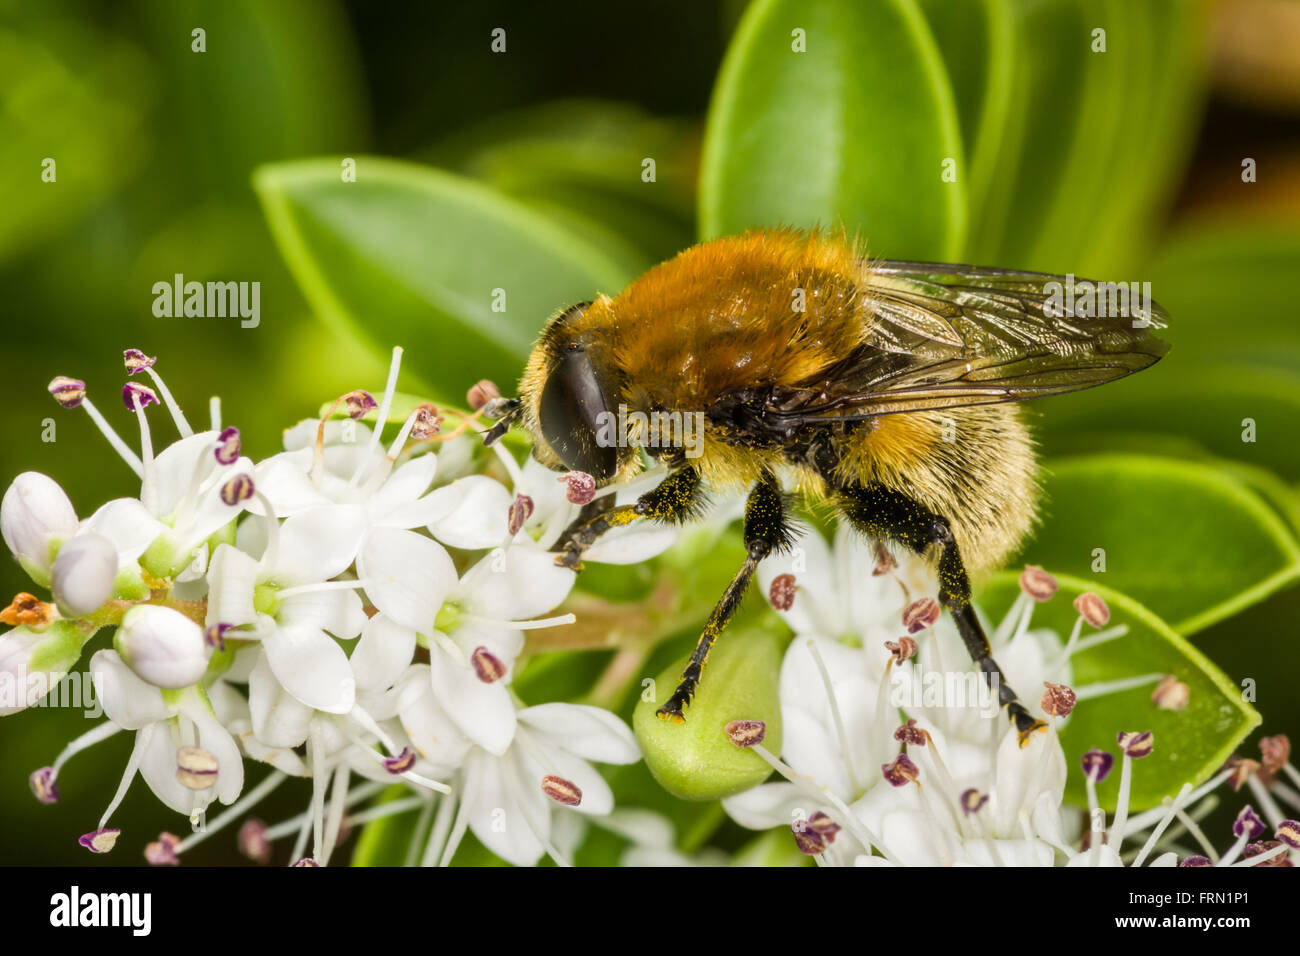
[480, 516]
[311, 667]
[483, 712]
[407, 483]
[590, 732]
[336, 610]
[407, 575]
[597, 798]
[175, 465]
[632, 544]
[433, 734]
[84, 572]
[216, 740]
[158, 767]
[285, 480]
[496, 815]
[232, 578]
[278, 719]
[128, 524]
[128, 701]
[318, 544]
[382, 654]
[520, 584]
[766, 806]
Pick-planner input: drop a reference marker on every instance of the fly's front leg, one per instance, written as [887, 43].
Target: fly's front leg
[677, 498]
[881, 512]
[767, 529]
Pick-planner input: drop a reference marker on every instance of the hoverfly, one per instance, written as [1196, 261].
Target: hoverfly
[890, 395]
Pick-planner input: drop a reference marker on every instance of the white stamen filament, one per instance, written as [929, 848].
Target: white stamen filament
[1149, 817]
[389, 809]
[1171, 813]
[320, 586]
[368, 751]
[1102, 688]
[320, 774]
[385, 405]
[142, 738]
[1021, 608]
[130, 457]
[1234, 851]
[833, 703]
[334, 823]
[149, 483]
[1101, 637]
[272, 552]
[441, 829]
[178, 416]
[1121, 802]
[202, 466]
[420, 839]
[214, 412]
[512, 466]
[292, 825]
[233, 812]
[848, 819]
[558, 621]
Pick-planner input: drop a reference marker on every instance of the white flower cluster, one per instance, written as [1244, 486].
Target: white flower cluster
[343, 611]
[894, 752]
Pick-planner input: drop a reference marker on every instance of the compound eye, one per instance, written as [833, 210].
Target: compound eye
[574, 416]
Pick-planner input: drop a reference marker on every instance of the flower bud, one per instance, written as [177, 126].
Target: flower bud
[32, 663]
[164, 647]
[36, 515]
[702, 759]
[84, 573]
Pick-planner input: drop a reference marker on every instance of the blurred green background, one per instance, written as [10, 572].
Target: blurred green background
[1127, 165]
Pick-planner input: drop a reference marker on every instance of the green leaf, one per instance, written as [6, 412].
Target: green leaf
[1190, 745]
[586, 156]
[411, 256]
[852, 132]
[978, 42]
[696, 760]
[1209, 406]
[1230, 288]
[1183, 538]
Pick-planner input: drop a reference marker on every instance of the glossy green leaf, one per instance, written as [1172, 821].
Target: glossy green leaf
[1242, 413]
[979, 45]
[1190, 744]
[1185, 539]
[411, 256]
[1230, 288]
[587, 157]
[854, 131]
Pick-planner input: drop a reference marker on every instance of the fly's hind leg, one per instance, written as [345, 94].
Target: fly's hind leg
[883, 513]
[767, 529]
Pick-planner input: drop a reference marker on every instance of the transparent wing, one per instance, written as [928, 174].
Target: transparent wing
[949, 335]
